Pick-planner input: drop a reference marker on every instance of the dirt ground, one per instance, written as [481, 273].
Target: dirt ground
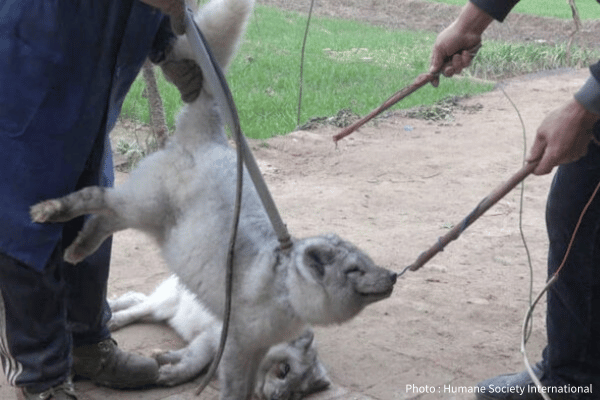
[393, 188]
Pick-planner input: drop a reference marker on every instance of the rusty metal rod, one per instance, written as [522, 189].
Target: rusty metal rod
[481, 208]
[421, 81]
[418, 83]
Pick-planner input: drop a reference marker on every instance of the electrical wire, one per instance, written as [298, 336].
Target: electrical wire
[216, 76]
[521, 201]
[528, 320]
[553, 278]
[217, 84]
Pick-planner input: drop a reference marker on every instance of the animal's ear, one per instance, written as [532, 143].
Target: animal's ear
[317, 380]
[305, 340]
[319, 385]
[317, 256]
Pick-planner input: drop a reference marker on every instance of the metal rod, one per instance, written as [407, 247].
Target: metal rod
[418, 83]
[421, 81]
[481, 208]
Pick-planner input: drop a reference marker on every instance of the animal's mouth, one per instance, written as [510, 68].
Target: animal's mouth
[376, 296]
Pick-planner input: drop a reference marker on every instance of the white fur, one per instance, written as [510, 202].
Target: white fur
[302, 373]
[183, 196]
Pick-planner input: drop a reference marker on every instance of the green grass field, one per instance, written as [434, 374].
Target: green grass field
[548, 8]
[343, 70]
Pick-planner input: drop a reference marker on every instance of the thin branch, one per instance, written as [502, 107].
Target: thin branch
[577, 22]
[158, 124]
[312, 3]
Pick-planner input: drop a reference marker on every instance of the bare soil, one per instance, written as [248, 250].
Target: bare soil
[393, 188]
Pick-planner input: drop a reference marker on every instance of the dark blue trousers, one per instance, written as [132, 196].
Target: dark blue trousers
[43, 314]
[65, 69]
[47, 313]
[572, 355]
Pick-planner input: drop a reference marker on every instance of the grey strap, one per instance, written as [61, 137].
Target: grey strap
[216, 84]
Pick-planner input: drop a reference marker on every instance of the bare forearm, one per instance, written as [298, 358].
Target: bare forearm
[473, 20]
[455, 41]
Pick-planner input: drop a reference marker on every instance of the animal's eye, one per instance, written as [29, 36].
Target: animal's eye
[355, 270]
[282, 370]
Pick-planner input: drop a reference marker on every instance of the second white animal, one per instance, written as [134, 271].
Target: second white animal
[183, 196]
[289, 371]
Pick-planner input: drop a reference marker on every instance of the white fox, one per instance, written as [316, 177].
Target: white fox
[183, 196]
[289, 371]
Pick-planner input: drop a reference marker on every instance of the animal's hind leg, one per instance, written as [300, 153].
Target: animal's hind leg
[89, 200]
[129, 308]
[127, 300]
[185, 364]
[94, 232]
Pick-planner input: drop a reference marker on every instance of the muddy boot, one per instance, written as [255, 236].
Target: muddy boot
[66, 391]
[106, 365]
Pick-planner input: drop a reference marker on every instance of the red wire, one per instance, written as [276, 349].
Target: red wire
[577, 228]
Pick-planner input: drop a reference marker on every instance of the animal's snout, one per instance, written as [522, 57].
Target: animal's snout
[393, 277]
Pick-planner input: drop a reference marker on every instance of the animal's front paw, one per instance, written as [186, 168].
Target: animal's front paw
[116, 322]
[75, 253]
[127, 300]
[46, 211]
[170, 375]
[156, 353]
[166, 357]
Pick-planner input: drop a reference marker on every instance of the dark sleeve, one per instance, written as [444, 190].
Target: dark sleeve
[497, 9]
[589, 94]
[595, 70]
[162, 41]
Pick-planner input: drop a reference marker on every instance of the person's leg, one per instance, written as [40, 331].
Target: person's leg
[87, 310]
[95, 354]
[572, 356]
[35, 345]
[573, 316]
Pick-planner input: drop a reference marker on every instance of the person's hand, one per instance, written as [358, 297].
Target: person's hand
[186, 75]
[562, 137]
[174, 9]
[456, 45]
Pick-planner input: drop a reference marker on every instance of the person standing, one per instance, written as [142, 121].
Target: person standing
[65, 69]
[571, 360]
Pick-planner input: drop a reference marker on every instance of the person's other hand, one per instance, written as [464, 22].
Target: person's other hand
[562, 137]
[186, 75]
[456, 45]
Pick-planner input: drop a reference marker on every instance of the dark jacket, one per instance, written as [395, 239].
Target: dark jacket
[65, 68]
[499, 9]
